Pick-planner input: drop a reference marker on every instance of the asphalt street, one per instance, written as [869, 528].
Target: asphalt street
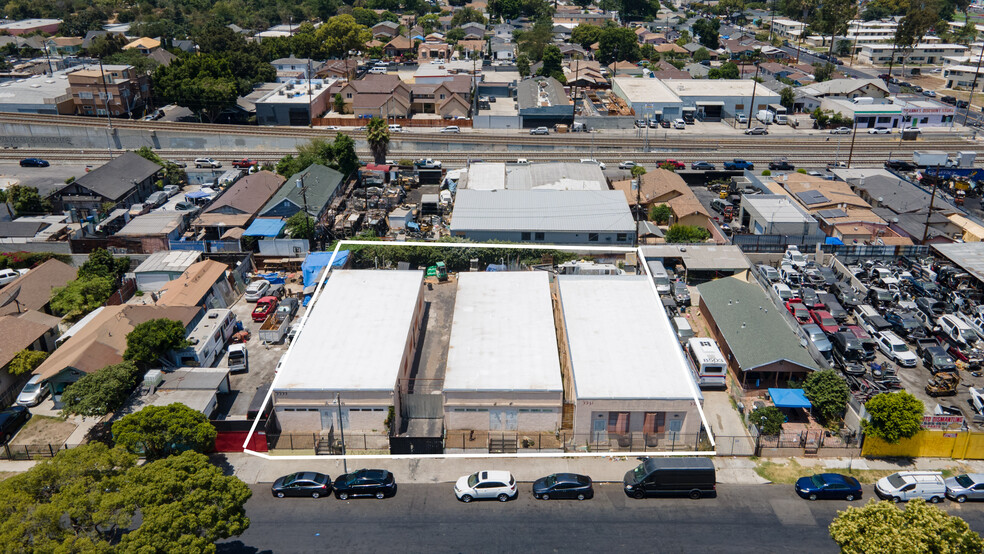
[427, 518]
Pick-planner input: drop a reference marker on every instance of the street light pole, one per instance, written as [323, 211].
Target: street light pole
[341, 431]
[754, 86]
[854, 135]
[973, 86]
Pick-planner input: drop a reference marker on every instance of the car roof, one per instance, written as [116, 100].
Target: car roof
[494, 475]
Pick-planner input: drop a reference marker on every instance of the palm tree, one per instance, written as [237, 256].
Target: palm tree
[377, 135]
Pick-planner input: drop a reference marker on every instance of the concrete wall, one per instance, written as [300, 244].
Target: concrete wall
[470, 410]
[587, 410]
[549, 237]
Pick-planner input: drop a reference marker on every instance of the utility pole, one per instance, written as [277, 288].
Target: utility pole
[310, 96]
[754, 86]
[932, 197]
[854, 135]
[973, 86]
[341, 431]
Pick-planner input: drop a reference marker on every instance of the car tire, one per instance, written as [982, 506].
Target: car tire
[934, 500]
[694, 494]
[545, 497]
[812, 497]
[503, 497]
[315, 495]
[380, 495]
[466, 498]
[638, 495]
[849, 497]
[581, 496]
[343, 496]
[279, 494]
[896, 499]
[961, 499]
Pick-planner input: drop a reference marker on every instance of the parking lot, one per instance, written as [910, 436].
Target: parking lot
[46, 179]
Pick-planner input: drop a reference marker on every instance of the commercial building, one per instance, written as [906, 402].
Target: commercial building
[543, 102]
[922, 112]
[881, 112]
[590, 217]
[700, 262]
[42, 94]
[118, 89]
[920, 54]
[537, 176]
[632, 385]
[294, 103]
[163, 267]
[358, 342]
[28, 26]
[503, 370]
[711, 99]
[775, 214]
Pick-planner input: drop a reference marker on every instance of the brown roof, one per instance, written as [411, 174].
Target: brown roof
[36, 286]
[670, 47]
[472, 44]
[191, 287]
[102, 341]
[687, 205]
[657, 185]
[248, 194]
[459, 84]
[375, 83]
[18, 334]
[400, 43]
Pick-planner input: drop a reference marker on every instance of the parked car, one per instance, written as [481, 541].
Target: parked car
[964, 487]
[486, 485]
[681, 293]
[540, 131]
[900, 165]
[207, 162]
[156, 199]
[676, 164]
[244, 163]
[896, 350]
[594, 162]
[303, 483]
[702, 166]
[841, 131]
[693, 477]
[185, 207]
[810, 298]
[138, 209]
[264, 307]
[828, 486]
[781, 165]
[905, 324]
[626, 164]
[10, 275]
[288, 306]
[171, 190]
[34, 162]
[563, 485]
[906, 485]
[757, 131]
[879, 130]
[256, 290]
[11, 420]
[848, 353]
[427, 163]
[800, 312]
[868, 344]
[365, 482]
[33, 392]
[454, 129]
[830, 303]
[738, 164]
[936, 360]
[679, 124]
[948, 100]
[768, 272]
[819, 339]
[824, 320]
[929, 93]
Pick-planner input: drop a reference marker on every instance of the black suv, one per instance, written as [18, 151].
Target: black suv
[848, 353]
[781, 165]
[905, 324]
[936, 360]
[899, 165]
[11, 420]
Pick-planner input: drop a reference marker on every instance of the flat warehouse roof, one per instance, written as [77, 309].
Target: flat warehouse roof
[356, 332]
[503, 336]
[638, 90]
[621, 343]
[968, 255]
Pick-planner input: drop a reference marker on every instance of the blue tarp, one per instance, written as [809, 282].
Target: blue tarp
[496, 267]
[196, 195]
[833, 240]
[273, 278]
[790, 398]
[269, 228]
[312, 266]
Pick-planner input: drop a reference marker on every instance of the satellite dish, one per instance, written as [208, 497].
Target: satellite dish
[11, 296]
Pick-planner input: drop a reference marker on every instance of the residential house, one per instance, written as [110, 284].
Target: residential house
[162, 267]
[473, 31]
[624, 68]
[206, 284]
[472, 48]
[452, 98]
[144, 45]
[398, 46]
[318, 186]
[503, 50]
[65, 46]
[671, 48]
[102, 342]
[666, 70]
[119, 89]
[662, 186]
[34, 288]
[385, 29]
[238, 204]
[428, 51]
[30, 26]
[124, 181]
[28, 330]
[573, 52]
[338, 69]
[377, 95]
[291, 68]
[162, 57]
[154, 230]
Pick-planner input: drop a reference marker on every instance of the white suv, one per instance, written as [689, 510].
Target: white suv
[906, 485]
[486, 484]
[207, 162]
[896, 349]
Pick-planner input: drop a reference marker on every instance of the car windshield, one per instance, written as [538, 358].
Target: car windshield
[817, 481]
[896, 480]
[473, 480]
[899, 348]
[797, 257]
[968, 335]
[31, 387]
[639, 473]
[828, 321]
[939, 360]
[551, 481]
[964, 480]
[289, 479]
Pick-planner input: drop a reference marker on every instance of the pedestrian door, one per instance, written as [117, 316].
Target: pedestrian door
[503, 420]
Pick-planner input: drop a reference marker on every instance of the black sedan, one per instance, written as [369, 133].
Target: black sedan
[34, 162]
[563, 485]
[365, 482]
[10, 421]
[304, 483]
[828, 486]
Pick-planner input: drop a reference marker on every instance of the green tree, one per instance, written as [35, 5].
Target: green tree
[172, 173]
[341, 34]
[701, 55]
[732, 9]
[80, 296]
[106, 45]
[523, 65]
[638, 171]
[585, 35]
[768, 419]
[823, 71]
[466, 15]
[882, 527]
[364, 17]
[617, 44]
[534, 41]
[828, 393]
[552, 63]
[160, 431]
[708, 33]
[99, 393]
[101, 263]
[140, 63]
[787, 97]
[151, 340]
[26, 200]
[894, 416]
[686, 234]
[831, 18]
[343, 153]
[26, 361]
[660, 213]
[205, 84]
[339, 103]
[453, 36]
[300, 226]
[377, 135]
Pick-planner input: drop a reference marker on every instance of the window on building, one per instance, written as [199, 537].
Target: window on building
[348, 95]
[621, 237]
[85, 95]
[524, 236]
[538, 236]
[592, 237]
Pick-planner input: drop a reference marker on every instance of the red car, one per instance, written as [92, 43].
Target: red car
[824, 320]
[264, 307]
[799, 311]
[676, 164]
[244, 163]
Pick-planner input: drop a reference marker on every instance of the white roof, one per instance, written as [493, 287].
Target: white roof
[620, 339]
[638, 90]
[169, 261]
[718, 88]
[356, 332]
[298, 93]
[777, 208]
[503, 336]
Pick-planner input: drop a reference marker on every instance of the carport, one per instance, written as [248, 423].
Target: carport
[710, 111]
[790, 398]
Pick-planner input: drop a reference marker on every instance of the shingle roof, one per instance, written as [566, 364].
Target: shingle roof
[320, 183]
[115, 179]
[192, 285]
[531, 210]
[248, 194]
[36, 286]
[756, 332]
[18, 334]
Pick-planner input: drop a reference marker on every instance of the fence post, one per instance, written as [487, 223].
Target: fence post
[50, 451]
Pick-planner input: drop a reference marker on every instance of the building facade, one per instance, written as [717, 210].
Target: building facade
[119, 90]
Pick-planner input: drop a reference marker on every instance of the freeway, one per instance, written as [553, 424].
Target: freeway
[427, 518]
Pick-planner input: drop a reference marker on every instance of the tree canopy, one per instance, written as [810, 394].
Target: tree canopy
[300, 226]
[377, 135]
[686, 234]
[768, 419]
[828, 392]
[25, 200]
[99, 393]
[26, 361]
[80, 296]
[338, 154]
[617, 44]
[708, 32]
[172, 172]
[660, 213]
[101, 263]
[160, 431]
[894, 416]
[882, 527]
[151, 340]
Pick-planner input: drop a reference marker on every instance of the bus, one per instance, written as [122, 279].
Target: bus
[709, 366]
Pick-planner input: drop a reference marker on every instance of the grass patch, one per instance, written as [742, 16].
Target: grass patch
[7, 474]
[788, 473]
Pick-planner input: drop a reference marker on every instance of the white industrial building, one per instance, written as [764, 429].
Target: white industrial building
[921, 54]
[775, 214]
[711, 99]
[633, 386]
[358, 342]
[503, 369]
[536, 176]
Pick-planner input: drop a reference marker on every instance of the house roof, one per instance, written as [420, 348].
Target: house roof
[20, 228]
[37, 285]
[18, 334]
[169, 261]
[756, 334]
[102, 341]
[656, 184]
[248, 194]
[191, 287]
[162, 56]
[320, 185]
[399, 42]
[376, 84]
[538, 210]
[116, 178]
[841, 87]
[144, 42]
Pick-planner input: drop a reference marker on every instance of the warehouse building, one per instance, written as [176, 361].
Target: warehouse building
[358, 342]
[633, 387]
[708, 99]
[503, 369]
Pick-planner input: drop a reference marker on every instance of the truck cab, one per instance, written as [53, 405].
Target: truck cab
[264, 307]
[238, 358]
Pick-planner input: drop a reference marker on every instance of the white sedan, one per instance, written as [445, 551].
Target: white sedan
[627, 165]
[879, 131]
[486, 485]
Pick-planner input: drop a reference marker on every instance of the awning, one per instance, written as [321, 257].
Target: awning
[790, 398]
[709, 103]
[265, 228]
[377, 167]
[196, 195]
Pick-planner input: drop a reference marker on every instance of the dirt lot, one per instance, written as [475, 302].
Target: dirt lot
[41, 430]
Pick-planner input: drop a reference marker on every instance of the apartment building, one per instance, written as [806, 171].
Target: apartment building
[118, 89]
[921, 54]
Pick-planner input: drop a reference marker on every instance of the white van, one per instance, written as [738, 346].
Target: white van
[396, 128]
[957, 330]
[684, 331]
[906, 485]
[709, 365]
[660, 277]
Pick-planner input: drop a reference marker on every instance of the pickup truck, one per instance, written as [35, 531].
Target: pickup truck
[244, 163]
[738, 164]
[264, 307]
[427, 163]
[238, 358]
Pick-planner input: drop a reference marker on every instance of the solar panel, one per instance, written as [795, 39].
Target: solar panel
[830, 214]
[811, 197]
